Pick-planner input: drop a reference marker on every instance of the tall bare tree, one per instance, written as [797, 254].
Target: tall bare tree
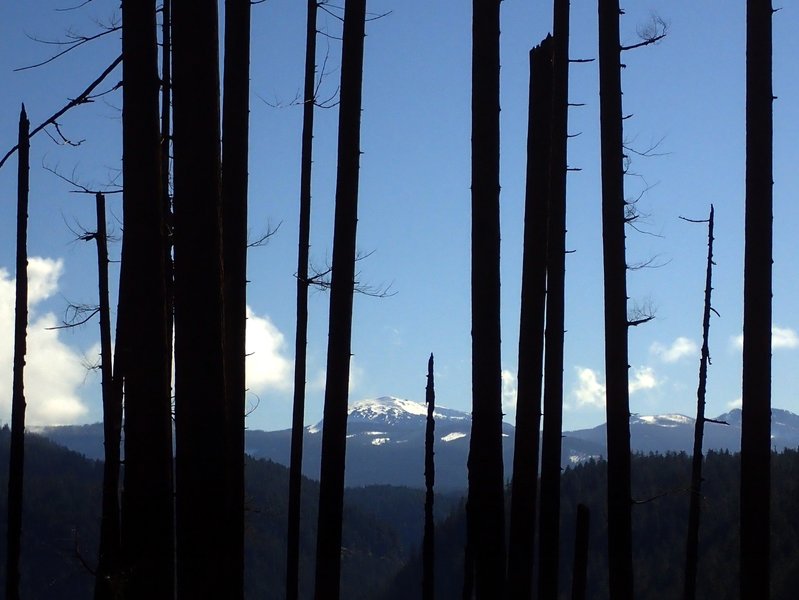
[301, 337]
[334, 432]
[16, 460]
[549, 538]
[485, 508]
[201, 412]
[756, 418]
[524, 490]
[235, 148]
[147, 501]
[429, 541]
[615, 296]
[692, 543]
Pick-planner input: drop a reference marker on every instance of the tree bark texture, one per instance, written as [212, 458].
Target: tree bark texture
[16, 464]
[201, 415]
[301, 334]
[756, 417]
[486, 512]
[429, 541]
[615, 296]
[524, 501]
[334, 432]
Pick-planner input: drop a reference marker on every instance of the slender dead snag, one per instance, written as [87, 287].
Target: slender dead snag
[524, 490]
[549, 536]
[83, 98]
[17, 450]
[429, 541]
[301, 335]
[692, 544]
[334, 434]
[106, 582]
[580, 570]
[756, 396]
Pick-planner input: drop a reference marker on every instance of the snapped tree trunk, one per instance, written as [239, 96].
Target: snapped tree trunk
[301, 336]
[615, 296]
[147, 500]
[201, 425]
[334, 432]
[692, 543]
[549, 537]
[235, 146]
[107, 580]
[429, 541]
[521, 544]
[16, 461]
[756, 417]
[485, 509]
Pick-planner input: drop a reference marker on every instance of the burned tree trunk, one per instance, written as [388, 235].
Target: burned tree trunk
[16, 461]
[756, 417]
[549, 538]
[301, 337]
[200, 408]
[429, 542]
[334, 433]
[521, 544]
[615, 296]
[235, 147]
[107, 579]
[147, 501]
[485, 508]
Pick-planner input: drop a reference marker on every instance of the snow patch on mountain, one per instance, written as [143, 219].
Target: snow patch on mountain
[668, 420]
[451, 437]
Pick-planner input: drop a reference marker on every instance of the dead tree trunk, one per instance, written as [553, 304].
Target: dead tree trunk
[334, 433]
[486, 512]
[17, 450]
[756, 418]
[166, 147]
[200, 407]
[301, 337]
[549, 538]
[615, 296]
[107, 579]
[692, 544]
[147, 501]
[429, 542]
[521, 545]
[235, 147]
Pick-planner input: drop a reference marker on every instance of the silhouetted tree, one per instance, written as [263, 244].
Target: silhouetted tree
[107, 579]
[334, 432]
[301, 337]
[615, 296]
[521, 544]
[429, 542]
[235, 146]
[486, 486]
[16, 460]
[756, 417]
[692, 543]
[147, 500]
[201, 426]
[549, 537]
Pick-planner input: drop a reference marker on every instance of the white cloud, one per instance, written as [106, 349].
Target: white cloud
[680, 348]
[508, 391]
[266, 365]
[737, 403]
[781, 337]
[589, 391]
[642, 378]
[53, 370]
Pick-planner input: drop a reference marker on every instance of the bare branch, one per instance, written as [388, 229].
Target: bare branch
[650, 33]
[263, 239]
[76, 315]
[75, 41]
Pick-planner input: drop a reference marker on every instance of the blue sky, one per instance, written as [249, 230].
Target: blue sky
[687, 93]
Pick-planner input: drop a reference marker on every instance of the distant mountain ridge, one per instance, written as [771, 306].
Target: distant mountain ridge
[385, 441]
